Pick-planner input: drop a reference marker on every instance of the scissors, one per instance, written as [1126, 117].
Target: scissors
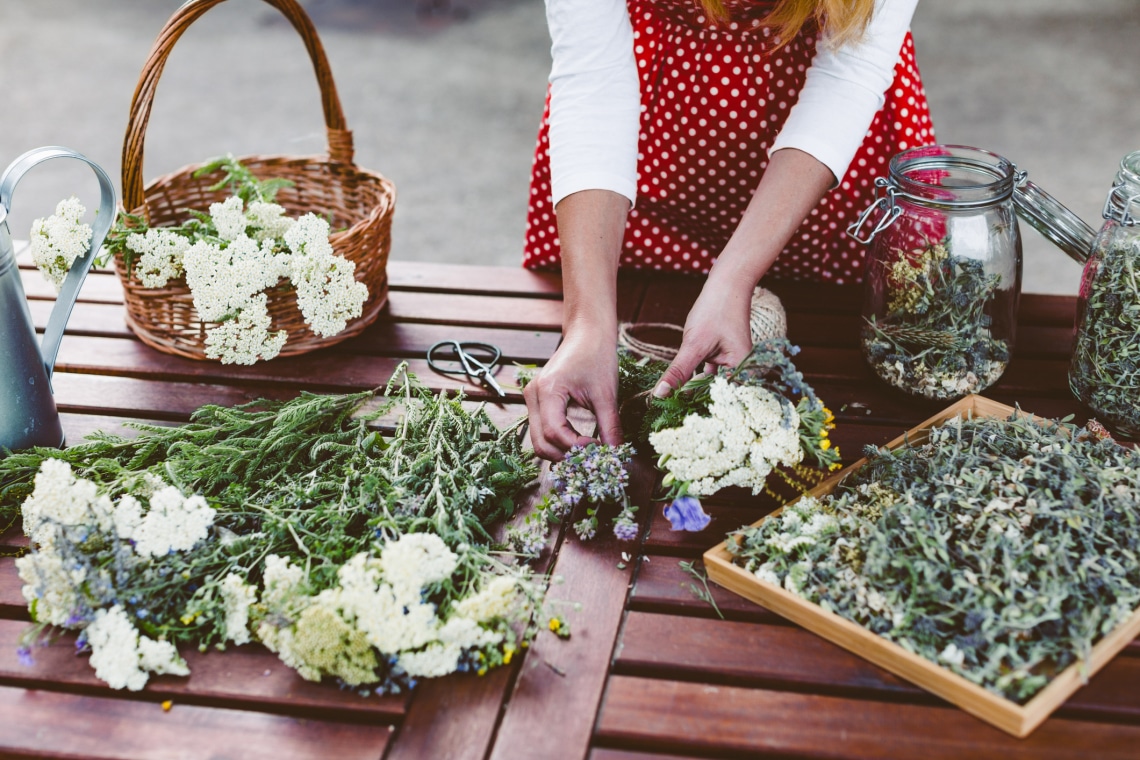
[475, 360]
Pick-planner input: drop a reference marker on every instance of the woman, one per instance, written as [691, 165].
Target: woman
[740, 138]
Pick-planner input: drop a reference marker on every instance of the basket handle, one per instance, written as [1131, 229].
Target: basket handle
[339, 137]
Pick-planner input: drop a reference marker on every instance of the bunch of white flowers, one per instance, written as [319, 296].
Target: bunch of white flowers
[253, 249]
[64, 588]
[59, 240]
[124, 658]
[747, 432]
[379, 613]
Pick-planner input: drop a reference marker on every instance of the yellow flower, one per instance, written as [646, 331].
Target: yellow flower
[824, 444]
[829, 416]
[482, 671]
[823, 433]
[188, 618]
[167, 705]
[555, 624]
[508, 653]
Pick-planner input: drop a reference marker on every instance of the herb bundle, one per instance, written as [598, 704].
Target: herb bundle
[1000, 549]
[353, 555]
[730, 428]
[595, 474]
[934, 337]
[1105, 369]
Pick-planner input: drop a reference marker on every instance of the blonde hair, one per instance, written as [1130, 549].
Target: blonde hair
[843, 20]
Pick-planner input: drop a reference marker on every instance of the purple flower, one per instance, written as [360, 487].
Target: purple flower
[625, 530]
[24, 655]
[685, 513]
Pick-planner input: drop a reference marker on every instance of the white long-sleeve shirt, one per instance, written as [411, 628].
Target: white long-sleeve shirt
[595, 99]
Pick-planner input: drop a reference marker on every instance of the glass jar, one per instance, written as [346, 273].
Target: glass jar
[943, 275]
[1105, 370]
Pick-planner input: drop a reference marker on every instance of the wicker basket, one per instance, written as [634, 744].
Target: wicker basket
[359, 203]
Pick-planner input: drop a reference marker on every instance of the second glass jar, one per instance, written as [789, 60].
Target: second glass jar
[943, 274]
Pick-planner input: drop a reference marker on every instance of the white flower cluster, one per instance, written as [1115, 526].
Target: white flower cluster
[160, 255]
[255, 248]
[245, 338]
[61, 588]
[379, 608]
[123, 658]
[59, 240]
[238, 597]
[749, 431]
[328, 294]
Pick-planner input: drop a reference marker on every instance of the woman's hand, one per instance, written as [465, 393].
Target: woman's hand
[583, 370]
[716, 332]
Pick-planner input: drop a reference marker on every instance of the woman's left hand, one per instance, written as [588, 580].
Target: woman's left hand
[717, 330]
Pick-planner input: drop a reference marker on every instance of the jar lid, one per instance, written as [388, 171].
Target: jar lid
[1058, 224]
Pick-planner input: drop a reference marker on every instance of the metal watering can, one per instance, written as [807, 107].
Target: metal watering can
[28, 416]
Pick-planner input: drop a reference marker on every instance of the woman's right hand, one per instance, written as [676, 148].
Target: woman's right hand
[582, 371]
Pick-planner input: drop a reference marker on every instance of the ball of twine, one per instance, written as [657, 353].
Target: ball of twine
[767, 319]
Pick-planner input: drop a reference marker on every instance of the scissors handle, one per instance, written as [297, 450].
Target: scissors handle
[473, 367]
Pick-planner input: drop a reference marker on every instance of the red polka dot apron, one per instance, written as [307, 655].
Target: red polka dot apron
[713, 99]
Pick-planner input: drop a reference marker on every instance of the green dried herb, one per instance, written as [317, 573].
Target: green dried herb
[1105, 369]
[1001, 549]
[935, 339]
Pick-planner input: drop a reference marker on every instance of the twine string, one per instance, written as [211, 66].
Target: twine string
[767, 319]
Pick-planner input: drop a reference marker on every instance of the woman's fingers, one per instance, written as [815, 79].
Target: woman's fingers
[684, 365]
[548, 399]
[551, 434]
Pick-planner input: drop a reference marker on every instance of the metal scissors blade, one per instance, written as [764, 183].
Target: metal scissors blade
[471, 358]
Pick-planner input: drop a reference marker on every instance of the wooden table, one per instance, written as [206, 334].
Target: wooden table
[650, 671]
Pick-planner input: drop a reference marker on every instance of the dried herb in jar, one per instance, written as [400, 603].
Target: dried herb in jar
[934, 337]
[1105, 370]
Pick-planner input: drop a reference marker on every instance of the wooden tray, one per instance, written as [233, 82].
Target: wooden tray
[1019, 720]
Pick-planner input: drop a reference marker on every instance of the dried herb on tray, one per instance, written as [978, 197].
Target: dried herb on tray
[1000, 549]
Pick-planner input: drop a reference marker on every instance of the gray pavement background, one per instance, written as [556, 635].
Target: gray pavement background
[444, 97]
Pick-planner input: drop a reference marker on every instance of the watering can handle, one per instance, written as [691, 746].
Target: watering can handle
[74, 280]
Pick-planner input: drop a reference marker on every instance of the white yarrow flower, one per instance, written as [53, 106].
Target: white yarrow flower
[238, 597]
[160, 255]
[749, 431]
[328, 294]
[58, 240]
[245, 338]
[123, 658]
[229, 218]
[173, 523]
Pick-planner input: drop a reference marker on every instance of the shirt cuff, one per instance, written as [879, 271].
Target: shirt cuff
[567, 184]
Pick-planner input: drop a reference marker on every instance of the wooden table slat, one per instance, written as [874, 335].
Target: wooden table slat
[52, 724]
[246, 677]
[655, 714]
[786, 657]
[108, 396]
[552, 706]
[662, 586]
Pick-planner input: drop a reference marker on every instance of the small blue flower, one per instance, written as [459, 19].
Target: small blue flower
[685, 513]
[24, 655]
